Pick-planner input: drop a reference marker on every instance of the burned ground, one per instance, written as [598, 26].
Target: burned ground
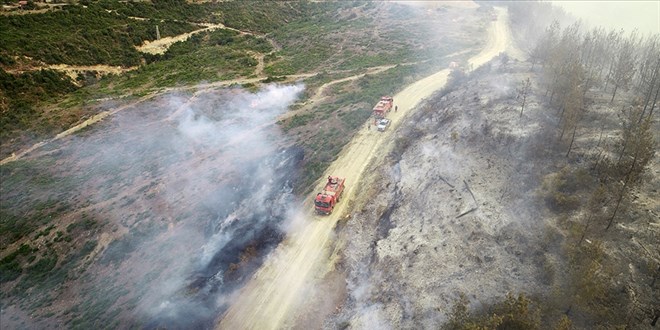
[461, 208]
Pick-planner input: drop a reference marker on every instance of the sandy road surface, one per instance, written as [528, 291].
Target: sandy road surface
[73, 70]
[274, 294]
[161, 45]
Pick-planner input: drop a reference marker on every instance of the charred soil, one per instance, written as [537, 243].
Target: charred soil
[462, 207]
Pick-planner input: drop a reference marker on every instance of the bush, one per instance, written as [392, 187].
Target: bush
[562, 203]
[514, 313]
[104, 38]
[564, 191]
[23, 92]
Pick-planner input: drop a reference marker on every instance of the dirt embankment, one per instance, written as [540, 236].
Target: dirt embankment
[276, 295]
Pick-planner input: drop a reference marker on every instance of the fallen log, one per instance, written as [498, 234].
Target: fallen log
[471, 194]
[466, 212]
[445, 181]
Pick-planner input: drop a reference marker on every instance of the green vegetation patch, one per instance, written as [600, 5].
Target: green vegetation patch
[10, 266]
[265, 16]
[99, 309]
[82, 36]
[31, 197]
[175, 10]
[23, 92]
[258, 16]
[50, 271]
[222, 40]
[298, 120]
[207, 56]
[312, 42]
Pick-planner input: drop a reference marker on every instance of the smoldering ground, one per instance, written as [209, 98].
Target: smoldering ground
[251, 199]
[187, 194]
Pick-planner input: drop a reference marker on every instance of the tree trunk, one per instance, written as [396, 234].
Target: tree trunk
[586, 86]
[525, 92]
[586, 226]
[616, 208]
[609, 73]
[623, 151]
[654, 77]
[607, 76]
[615, 88]
[561, 114]
[553, 87]
[552, 95]
[600, 157]
[623, 190]
[572, 139]
[655, 101]
[600, 137]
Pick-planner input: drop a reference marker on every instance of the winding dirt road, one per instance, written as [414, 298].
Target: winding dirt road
[199, 88]
[276, 294]
[161, 45]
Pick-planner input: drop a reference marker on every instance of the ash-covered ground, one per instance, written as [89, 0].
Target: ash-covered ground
[453, 209]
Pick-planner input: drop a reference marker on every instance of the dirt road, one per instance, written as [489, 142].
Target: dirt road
[279, 289]
[73, 70]
[199, 88]
[161, 45]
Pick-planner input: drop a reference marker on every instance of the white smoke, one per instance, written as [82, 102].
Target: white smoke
[211, 151]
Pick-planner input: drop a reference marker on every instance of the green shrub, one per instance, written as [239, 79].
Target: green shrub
[10, 266]
[103, 38]
[24, 92]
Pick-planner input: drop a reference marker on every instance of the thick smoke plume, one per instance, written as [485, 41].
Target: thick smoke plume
[191, 192]
[244, 173]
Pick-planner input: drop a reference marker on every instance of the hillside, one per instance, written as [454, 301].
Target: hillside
[127, 167]
[163, 177]
[467, 193]
[523, 195]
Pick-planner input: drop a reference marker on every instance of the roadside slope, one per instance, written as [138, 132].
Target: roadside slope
[272, 296]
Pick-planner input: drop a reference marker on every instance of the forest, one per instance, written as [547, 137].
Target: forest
[602, 88]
